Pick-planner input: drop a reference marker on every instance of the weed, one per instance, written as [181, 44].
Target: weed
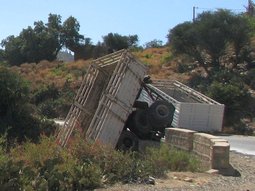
[165, 159]
[148, 56]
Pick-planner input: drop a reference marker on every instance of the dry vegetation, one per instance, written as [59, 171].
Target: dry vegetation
[160, 62]
[57, 72]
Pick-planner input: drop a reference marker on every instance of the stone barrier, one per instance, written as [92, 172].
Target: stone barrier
[213, 151]
[180, 138]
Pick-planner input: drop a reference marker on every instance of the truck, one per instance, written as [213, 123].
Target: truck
[119, 105]
[105, 99]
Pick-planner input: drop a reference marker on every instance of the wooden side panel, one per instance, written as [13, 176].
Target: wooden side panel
[116, 104]
[87, 98]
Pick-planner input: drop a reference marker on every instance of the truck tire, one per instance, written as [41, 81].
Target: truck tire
[160, 115]
[138, 124]
[128, 141]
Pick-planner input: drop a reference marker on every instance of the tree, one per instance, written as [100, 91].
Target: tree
[210, 37]
[218, 41]
[114, 41]
[154, 44]
[12, 50]
[70, 33]
[43, 41]
[235, 97]
[16, 118]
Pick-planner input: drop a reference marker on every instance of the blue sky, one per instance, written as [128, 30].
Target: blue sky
[149, 19]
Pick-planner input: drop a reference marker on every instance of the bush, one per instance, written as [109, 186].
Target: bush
[199, 83]
[249, 78]
[234, 96]
[47, 167]
[116, 166]
[165, 159]
[182, 68]
[16, 114]
[83, 165]
[45, 93]
[53, 102]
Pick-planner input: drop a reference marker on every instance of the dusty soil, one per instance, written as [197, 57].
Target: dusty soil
[242, 178]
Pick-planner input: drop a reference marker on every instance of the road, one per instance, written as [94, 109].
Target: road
[241, 144]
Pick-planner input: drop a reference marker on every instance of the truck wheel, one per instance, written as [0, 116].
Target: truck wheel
[138, 124]
[141, 121]
[160, 114]
[127, 141]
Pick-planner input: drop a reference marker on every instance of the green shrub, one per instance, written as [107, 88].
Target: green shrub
[84, 165]
[48, 167]
[166, 59]
[36, 154]
[45, 93]
[199, 82]
[53, 102]
[116, 166]
[234, 96]
[164, 159]
[59, 70]
[132, 166]
[148, 56]
[182, 68]
[16, 114]
[249, 78]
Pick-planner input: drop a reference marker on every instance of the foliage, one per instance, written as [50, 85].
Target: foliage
[163, 159]
[233, 95]
[182, 68]
[131, 166]
[115, 165]
[46, 92]
[71, 36]
[249, 78]
[18, 120]
[53, 102]
[16, 117]
[243, 128]
[52, 168]
[115, 41]
[43, 41]
[2, 56]
[82, 166]
[211, 37]
[154, 44]
[220, 42]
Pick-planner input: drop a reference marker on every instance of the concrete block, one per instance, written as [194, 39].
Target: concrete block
[179, 138]
[220, 155]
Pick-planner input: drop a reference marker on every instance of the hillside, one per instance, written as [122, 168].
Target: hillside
[161, 64]
[159, 61]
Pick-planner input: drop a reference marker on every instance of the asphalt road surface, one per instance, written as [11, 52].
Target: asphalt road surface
[241, 144]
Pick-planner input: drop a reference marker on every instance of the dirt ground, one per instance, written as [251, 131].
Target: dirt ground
[242, 178]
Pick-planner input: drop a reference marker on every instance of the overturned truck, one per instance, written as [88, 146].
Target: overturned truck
[117, 105]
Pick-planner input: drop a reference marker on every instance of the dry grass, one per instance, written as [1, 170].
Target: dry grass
[52, 72]
[160, 62]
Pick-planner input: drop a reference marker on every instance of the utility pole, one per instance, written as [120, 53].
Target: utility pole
[194, 13]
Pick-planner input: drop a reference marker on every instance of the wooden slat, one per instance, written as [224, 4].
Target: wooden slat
[88, 95]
